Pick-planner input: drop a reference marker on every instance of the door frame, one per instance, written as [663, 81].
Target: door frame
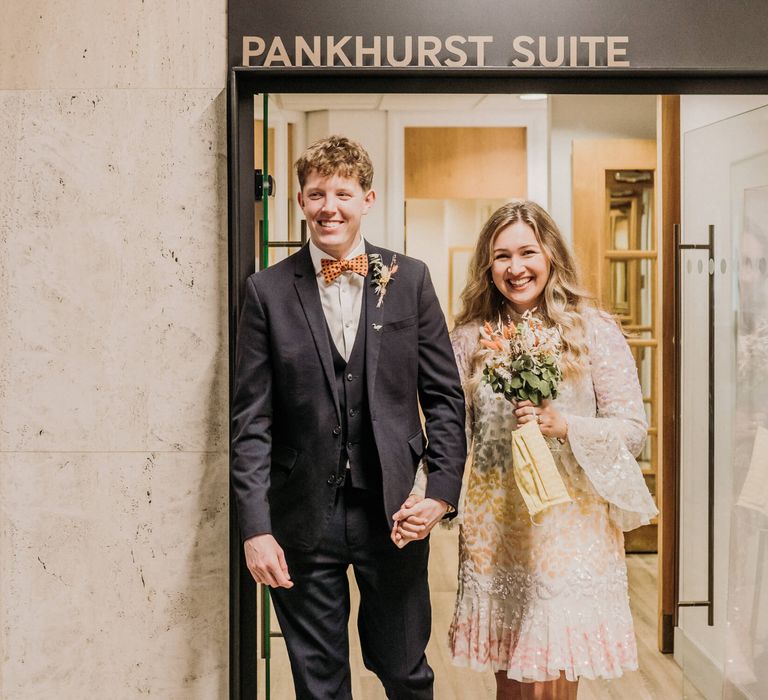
[537, 147]
[245, 83]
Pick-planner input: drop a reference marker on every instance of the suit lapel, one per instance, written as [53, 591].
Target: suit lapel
[309, 296]
[373, 324]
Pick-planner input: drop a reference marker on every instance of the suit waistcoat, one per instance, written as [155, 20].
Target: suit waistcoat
[358, 444]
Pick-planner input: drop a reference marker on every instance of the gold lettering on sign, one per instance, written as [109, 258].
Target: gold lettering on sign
[253, 46]
[361, 51]
[554, 52]
[277, 52]
[450, 45]
[519, 45]
[302, 49]
[558, 60]
[614, 51]
[433, 51]
[408, 54]
[480, 42]
[592, 42]
[334, 51]
[429, 47]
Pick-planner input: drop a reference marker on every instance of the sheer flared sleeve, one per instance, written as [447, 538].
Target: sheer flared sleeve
[464, 340]
[605, 446]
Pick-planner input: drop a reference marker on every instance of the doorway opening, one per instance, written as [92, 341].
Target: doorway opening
[626, 284]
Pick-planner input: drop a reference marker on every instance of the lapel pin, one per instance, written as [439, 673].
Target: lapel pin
[376, 326]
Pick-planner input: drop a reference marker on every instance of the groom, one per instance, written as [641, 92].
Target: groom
[337, 348]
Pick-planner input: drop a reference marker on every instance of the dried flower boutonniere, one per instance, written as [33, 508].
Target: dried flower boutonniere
[382, 275]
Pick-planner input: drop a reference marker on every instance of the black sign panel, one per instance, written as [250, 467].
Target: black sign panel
[604, 35]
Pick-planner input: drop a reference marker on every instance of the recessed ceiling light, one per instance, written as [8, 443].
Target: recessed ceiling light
[533, 96]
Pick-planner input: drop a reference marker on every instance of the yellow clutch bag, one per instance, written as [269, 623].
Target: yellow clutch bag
[535, 471]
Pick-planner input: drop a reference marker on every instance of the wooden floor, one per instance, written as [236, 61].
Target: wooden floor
[659, 676]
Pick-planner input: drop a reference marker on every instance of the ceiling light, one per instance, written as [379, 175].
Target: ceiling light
[533, 96]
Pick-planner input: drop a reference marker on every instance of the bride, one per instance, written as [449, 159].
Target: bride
[544, 603]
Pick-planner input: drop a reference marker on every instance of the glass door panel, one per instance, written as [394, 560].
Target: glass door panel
[280, 231]
[722, 553]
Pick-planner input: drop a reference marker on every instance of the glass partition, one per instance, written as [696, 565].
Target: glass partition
[723, 514]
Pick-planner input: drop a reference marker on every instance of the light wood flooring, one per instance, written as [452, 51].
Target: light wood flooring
[659, 677]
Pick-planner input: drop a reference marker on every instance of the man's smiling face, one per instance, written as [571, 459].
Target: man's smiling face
[334, 207]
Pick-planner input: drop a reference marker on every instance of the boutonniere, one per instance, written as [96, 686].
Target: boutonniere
[382, 275]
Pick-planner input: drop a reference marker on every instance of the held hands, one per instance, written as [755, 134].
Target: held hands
[416, 518]
[266, 561]
[551, 421]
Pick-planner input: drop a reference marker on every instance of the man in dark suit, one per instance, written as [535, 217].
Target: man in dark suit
[337, 348]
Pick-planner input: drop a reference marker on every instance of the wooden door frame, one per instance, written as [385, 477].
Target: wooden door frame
[669, 209]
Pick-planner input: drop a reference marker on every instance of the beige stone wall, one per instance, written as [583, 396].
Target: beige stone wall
[113, 350]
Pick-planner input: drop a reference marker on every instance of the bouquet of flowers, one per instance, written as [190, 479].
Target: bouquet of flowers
[523, 364]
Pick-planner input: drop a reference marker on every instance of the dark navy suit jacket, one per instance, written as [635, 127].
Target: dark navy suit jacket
[285, 438]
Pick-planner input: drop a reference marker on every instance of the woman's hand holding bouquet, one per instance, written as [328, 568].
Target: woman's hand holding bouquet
[522, 362]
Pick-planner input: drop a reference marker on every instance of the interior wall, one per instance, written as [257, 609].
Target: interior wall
[701, 110]
[113, 351]
[381, 131]
[434, 227]
[590, 117]
[370, 129]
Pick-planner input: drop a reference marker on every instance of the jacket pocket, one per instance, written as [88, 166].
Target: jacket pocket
[397, 325]
[284, 458]
[416, 442]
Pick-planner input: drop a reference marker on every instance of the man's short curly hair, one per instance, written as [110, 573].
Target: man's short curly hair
[336, 155]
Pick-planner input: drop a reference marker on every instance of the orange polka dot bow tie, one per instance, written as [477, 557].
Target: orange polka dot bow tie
[331, 269]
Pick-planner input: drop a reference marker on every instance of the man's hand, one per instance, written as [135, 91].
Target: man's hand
[266, 561]
[416, 518]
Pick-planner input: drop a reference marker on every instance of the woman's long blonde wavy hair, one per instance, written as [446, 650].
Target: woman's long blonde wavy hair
[563, 301]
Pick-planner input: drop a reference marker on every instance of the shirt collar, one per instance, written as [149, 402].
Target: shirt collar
[317, 254]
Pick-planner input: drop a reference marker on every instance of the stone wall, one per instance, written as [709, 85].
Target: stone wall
[113, 350]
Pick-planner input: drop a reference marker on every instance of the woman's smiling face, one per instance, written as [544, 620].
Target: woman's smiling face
[520, 269]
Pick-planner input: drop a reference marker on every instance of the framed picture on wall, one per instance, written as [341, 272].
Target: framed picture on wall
[458, 268]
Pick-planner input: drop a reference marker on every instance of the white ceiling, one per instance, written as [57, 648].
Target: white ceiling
[312, 102]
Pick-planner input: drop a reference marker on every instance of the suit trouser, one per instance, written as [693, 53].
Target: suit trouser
[394, 619]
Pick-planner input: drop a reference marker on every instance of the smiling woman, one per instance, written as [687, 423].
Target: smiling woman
[543, 603]
[520, 268]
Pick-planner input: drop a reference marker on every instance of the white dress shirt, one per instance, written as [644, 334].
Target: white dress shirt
[341, 299]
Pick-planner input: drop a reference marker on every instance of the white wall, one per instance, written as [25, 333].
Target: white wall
[381, 128]
[434, 226]
[370, 129]
[700, 110]
[113, 351]
[590, 117]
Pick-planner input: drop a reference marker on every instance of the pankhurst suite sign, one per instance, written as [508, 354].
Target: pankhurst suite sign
[652, 35]
[425, 51]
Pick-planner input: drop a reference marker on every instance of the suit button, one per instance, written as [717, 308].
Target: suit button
[350, 377]
[353, 412]
[350, 445]
[332, 480]
[337, 430]
[339, 480]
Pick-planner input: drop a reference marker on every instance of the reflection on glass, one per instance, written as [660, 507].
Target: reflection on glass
[747, 666]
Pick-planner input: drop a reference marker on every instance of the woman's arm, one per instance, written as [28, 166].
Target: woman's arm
[605, 446]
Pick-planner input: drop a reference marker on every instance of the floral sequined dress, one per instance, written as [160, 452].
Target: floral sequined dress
[536, 599]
